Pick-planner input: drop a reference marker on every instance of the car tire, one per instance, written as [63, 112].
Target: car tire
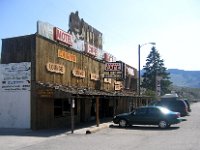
[122, 123]
[163, 124]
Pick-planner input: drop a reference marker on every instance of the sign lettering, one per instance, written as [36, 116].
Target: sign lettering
[91, 50]
[67, 56]
[118, 86]
[94, 77]
[78, 73]
[56, 68]
[113, 67]
[62, 36]
[109, 58]
[107, 80]
[15, 77]
[44, 93]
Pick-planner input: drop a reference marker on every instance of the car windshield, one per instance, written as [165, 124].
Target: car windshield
[164, 110]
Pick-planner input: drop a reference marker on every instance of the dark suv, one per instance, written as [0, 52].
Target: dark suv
[188, 104]
[172, 104]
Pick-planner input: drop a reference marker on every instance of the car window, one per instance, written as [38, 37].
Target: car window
[141, 111]
[153, 111]
[156, 102]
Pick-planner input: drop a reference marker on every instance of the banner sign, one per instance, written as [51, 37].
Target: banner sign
[15, 77]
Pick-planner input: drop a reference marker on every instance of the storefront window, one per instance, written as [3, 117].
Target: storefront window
[62, 107]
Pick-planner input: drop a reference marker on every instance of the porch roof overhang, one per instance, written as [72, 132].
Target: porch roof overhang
[84, 91]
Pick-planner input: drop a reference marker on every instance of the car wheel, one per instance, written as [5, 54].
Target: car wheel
[122, 123]
[163, 124]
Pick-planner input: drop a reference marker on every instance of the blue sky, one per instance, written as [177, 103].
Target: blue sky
[173, 24]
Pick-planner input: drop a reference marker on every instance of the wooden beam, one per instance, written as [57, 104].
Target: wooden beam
[97, 111]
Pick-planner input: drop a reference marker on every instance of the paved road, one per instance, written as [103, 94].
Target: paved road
[184, 136]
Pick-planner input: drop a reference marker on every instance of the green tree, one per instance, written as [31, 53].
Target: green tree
[153, 69]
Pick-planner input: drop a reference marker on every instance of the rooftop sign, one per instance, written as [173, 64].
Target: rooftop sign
[62, 36]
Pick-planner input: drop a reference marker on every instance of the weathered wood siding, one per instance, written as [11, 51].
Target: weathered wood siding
[47, 51]
[19, 49]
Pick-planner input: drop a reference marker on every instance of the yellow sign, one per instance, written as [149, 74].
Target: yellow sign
[118, 85]
[78, 73]
[67, 56]
[56, 68]
[107, 80]
[45, 93]
[94, 77]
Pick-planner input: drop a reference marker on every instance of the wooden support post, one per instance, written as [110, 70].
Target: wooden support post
[72, 114]
[97, 111]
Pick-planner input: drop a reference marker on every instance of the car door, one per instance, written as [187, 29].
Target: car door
[139, 116]
[153, 116]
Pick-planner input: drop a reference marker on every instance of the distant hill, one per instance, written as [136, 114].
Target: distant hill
[185, 78]
[185, 83]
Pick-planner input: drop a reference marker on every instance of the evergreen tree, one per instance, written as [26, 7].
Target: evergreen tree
[153, 69]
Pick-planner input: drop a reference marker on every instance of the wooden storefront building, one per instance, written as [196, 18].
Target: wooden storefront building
[66, 79]
[61, 76]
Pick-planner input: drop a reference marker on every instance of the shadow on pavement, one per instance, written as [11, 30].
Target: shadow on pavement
[152, 128]
[46, 132]
[29, 132]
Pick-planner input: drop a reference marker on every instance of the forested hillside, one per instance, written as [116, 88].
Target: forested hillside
[186, 83]
[185, 78]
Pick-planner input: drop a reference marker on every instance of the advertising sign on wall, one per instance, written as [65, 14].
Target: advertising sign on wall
[62, 36]
[91, 50]
[109, 58]
[66, 55]
[15, 77]
[118, 86]
[45, 29]
[94, 77]
[114, 67]
[84, 31]
[79, 37]
[78, 73]
[56, 68]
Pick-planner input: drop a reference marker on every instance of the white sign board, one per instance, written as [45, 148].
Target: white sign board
[15, 77]
[15, 103]
[45, 29]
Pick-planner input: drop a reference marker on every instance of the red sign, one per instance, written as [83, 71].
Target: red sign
[62, 36]
[109, 58]
[91, 50]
